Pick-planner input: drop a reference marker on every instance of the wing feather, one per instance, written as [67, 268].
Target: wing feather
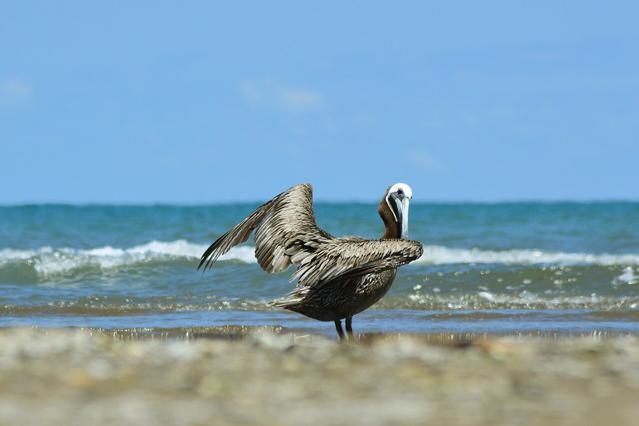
[349, 257]
[283, 226]
[286, 233]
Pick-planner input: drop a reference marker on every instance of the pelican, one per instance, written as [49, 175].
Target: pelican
[337, 278]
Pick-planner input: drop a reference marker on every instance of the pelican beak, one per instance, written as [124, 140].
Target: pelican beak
[401, 213]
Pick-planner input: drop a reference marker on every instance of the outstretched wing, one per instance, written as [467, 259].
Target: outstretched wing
[285, 231]
[349, 257]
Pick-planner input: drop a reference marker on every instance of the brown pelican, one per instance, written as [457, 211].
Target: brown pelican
[336, 277]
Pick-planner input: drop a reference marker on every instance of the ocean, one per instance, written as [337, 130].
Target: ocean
[533, 268]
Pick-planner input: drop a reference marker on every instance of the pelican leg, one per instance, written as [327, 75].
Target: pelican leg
[349, 327]
[338, 327]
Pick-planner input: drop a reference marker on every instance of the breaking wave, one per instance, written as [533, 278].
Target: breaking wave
[448, 304]
[439, 255]
[47, 261]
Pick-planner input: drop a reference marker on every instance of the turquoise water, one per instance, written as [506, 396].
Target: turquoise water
[505, 268]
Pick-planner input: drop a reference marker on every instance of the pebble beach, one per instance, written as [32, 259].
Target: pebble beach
[239, 375]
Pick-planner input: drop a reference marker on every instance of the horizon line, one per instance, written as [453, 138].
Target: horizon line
[128, 203]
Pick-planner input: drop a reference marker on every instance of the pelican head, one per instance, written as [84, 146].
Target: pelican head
[397, 199]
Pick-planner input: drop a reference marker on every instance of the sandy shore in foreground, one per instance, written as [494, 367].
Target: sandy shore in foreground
[80, 377]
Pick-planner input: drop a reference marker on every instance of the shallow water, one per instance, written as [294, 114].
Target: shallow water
[494, 268]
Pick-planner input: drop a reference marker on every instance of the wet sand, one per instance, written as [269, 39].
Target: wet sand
[236, 375]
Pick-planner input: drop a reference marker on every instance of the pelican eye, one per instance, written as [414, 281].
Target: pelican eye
[400, 191]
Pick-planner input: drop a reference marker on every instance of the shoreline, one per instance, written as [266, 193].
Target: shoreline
[272, 375]
[238, 332]
[468, 323]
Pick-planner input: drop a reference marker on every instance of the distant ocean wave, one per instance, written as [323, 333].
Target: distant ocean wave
[440, 255]
[48, 261]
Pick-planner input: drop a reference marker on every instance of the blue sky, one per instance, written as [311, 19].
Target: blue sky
[198, 102]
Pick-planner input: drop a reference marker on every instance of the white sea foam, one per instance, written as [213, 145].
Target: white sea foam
[627, 277]
[524, 299]
[439, 255]
[47, 260]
